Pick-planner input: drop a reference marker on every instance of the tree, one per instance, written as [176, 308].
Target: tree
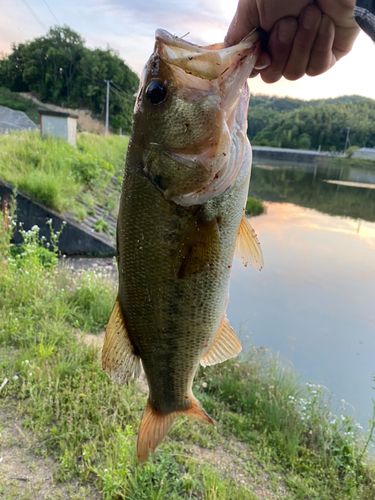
[59, 69]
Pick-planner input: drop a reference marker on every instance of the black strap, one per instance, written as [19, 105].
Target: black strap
[365, 20]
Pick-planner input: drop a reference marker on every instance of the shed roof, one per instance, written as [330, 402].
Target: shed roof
[56, 113]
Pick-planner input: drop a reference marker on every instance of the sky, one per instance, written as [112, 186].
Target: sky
[128, 26]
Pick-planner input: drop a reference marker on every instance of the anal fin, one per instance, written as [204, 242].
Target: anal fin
[155, 426]
[118, 359]
[225, 346]
[247, 246]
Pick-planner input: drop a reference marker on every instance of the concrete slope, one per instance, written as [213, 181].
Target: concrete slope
[14, 120]
[75, 239]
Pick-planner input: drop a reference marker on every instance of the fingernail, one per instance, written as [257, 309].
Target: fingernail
[324, 25]
[287, 30]
[311, 18]
[263, 61]
[259, 67]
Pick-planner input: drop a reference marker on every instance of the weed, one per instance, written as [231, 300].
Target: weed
[58, 390]
[92, 301]
[254, 207]
[56, 174]
[101, 225]
[81, 213]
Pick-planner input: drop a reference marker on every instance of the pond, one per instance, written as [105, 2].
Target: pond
[314, 301]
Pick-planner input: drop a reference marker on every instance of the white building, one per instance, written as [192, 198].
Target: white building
[58, 124]
[365, 153]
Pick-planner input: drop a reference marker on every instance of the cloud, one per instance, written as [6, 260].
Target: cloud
[128, 26]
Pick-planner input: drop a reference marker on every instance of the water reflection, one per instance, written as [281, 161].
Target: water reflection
[306, 186]
[314, 300]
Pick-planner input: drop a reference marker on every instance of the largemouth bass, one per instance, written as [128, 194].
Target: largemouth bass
[181, 213]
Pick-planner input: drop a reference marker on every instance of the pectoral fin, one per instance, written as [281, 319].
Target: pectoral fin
[200, 247]
[225, 346]
[247, 246]
[119, 361]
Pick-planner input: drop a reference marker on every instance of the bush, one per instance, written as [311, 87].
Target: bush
[254, 207]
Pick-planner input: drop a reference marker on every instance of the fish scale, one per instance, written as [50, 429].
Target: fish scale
[177, 227]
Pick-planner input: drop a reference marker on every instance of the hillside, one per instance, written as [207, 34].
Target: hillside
[294, 123]
[59, 69]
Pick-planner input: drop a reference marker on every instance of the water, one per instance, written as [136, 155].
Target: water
[314, 301]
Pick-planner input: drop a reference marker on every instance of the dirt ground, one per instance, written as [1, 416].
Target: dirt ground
[86, 122]
[24, 475]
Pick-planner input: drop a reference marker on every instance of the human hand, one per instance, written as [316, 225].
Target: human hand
[304, 38]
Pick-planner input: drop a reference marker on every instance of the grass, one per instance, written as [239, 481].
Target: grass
[279, 434]
[101, 225]
[60, 176]
[254, 207]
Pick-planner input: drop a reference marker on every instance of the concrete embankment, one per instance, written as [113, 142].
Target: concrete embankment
[286, 155]
[75, 239]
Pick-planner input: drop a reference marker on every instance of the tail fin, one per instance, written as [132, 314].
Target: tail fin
[155, 426]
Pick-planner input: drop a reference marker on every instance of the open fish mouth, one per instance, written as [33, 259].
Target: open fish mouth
[210, 62]
[210, 78]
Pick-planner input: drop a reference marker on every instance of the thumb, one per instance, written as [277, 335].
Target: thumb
[244, 21]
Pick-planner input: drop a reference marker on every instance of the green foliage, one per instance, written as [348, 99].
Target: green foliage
[101, 225]
[263, 402]
[57, 175]
[60, 69]
[79, 416]
[293, 123]
[91, 302]
[110, 149]
[89, 170]
[58, 391]
[254, 207]
[350, 151]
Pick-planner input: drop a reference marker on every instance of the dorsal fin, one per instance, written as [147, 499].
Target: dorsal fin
[247, 246]
[119, 361]
[155, 425]
[226, 345]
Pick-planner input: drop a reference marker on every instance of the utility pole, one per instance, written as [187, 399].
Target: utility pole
[347, 142]
[107, 107]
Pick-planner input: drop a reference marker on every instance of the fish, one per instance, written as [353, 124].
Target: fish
[181, 221]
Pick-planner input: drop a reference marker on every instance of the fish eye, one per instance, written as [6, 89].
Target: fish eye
[156, 92]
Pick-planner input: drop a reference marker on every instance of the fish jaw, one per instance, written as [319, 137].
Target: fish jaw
[194, 138]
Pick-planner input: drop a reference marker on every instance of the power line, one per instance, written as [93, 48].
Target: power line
[122, 95]
[120, 90]
[49, 8]
[35, 15]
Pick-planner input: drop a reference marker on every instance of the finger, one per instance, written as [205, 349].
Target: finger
[344, 39]
[322, 58]
[346, 29]
[279, 47]
[262, 63]
[309, 22]
[244, 21]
